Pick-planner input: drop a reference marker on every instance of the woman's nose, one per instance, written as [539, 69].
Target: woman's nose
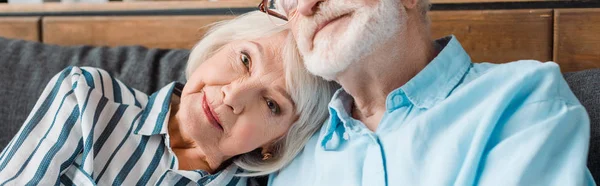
[235, 96]
[308, 7]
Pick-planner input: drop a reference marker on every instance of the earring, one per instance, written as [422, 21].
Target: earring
[266, 156]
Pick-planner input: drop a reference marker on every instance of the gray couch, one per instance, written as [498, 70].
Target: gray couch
[26, 67]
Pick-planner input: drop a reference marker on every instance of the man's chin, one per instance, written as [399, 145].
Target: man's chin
[325, 67]
[324, 73]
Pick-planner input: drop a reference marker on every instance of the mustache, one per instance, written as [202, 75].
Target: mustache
[326, 11]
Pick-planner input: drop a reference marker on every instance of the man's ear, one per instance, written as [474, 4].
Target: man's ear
[410, 4]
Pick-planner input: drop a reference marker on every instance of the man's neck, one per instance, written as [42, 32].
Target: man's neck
[371, 80]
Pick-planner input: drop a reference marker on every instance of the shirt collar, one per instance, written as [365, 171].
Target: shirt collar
[431, 85]
[154, 118]
[339, 109]
[435, 82]
[226, 176]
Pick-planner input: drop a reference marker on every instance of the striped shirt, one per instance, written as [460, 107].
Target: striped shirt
[88, 128]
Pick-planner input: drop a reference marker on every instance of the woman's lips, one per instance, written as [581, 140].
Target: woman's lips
[210, 114]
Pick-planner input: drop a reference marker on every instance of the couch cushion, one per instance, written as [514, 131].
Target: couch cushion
[26, 67]
[586, 86]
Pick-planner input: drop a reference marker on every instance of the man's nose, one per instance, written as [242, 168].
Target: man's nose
[308, 7]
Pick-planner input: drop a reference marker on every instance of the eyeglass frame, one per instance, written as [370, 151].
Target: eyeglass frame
[263, 7]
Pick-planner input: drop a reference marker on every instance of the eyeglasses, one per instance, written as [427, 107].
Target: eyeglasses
[264, 7]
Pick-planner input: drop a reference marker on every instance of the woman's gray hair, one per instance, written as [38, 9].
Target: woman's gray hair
[310, 93]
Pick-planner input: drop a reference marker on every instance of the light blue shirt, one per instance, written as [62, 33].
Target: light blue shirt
[455, 123]
[88, 128]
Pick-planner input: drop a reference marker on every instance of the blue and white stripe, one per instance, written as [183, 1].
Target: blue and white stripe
[88, 128]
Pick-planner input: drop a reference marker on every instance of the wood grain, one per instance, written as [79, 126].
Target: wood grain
[576, 39]
[123, 6]
[498, 36]
[148, 31]
[26, 28]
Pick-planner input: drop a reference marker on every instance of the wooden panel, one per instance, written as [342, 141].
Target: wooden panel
[26, 28]
[576, 39]
[498, 35]
[122, 6]
[149, 31]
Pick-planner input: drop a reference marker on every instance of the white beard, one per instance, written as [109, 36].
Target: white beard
[368, 29]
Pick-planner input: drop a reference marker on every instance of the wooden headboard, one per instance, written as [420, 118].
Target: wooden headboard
[519, 30]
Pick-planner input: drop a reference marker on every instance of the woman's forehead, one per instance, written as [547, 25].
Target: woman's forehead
[271, 48]
[267, 59]
[286, 5]
[275, 41]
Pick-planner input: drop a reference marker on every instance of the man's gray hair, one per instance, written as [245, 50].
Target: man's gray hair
[311, 94]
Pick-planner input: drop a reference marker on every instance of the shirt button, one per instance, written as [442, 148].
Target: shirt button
[346, 136]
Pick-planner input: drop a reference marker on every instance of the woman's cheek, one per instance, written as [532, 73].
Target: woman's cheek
[190, 115]
[244, 138]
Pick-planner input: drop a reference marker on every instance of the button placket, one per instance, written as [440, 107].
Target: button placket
[374, 167]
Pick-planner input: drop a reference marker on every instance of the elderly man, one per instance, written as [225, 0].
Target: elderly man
[417, 111]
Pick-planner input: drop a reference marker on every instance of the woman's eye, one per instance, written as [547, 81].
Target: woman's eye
[273, 106]
[245, 59]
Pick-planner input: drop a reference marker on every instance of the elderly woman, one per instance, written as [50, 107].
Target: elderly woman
[247, 108]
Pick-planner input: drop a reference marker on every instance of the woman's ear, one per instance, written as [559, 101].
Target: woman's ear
[266, 148]
[266, 152]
